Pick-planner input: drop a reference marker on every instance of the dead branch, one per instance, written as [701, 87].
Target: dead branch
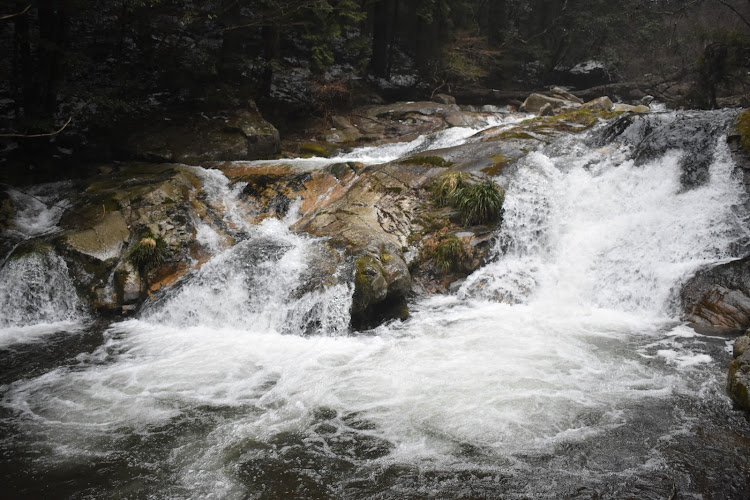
[32, 136]
[11, 16]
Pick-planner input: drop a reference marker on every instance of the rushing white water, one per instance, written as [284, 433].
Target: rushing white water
[371, 155]
[39, 208]
[567, 341]
[37, 297]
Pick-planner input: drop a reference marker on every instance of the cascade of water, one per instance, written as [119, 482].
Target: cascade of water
[36, 288]
[591, 228]
[274, 280]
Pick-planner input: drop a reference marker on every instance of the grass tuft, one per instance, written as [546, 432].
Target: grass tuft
[149, 253]
[480, 203]
[445, 187]
[449, 254]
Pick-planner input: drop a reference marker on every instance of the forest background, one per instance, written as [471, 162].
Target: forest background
[96, 67]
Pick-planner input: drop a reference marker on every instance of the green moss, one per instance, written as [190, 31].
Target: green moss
[743, 127]
[517, 135]
[498, 162]
[316, 149]
[367, 278]
[426, 161]
[26, 249]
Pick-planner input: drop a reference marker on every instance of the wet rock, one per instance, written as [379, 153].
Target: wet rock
[535, 102]
[119, 207]
[444, 99]
[741, 345]
[343, 131]
[546, 110]
[696, 133]
[104, 240]
[600, 104]
[237, 134]
[620, 107]
[738, 378]
[407, 121]
[564, 94]
[719, 296]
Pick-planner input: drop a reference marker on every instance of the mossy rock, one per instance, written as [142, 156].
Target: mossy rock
[426, 161]
[370, 286]
[381, 283]
[29, 248]
[321, 149]
[498, 163]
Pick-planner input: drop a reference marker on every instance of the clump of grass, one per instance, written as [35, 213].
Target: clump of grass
[445, 187]
[149, 253]
[479, 203]
[426, 161]
[449, 254]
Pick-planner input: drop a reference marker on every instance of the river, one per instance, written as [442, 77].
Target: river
[560, 369]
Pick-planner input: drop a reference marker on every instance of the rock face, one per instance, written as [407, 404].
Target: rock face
[719, 296]
[738, 380]
[119, 207]
[238, 134]
[535, 102]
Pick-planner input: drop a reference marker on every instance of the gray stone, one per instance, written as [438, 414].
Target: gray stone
[600, 103]
[564, 94]
[741, 345]
[444, 99]
[535, 102]
[620, 107]
[546, 110]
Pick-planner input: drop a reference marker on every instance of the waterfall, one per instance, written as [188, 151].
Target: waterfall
[594, 228]
[36, 289]
[37, 295]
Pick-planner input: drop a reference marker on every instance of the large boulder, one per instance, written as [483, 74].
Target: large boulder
[119, 208]
[237, 134]
[535, 102]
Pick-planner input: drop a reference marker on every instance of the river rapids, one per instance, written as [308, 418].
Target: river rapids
[560, 369]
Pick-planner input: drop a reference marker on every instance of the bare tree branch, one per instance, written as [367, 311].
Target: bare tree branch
[10, 16]
[31, 136]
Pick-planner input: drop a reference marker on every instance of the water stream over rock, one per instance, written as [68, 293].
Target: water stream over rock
[559, 370]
